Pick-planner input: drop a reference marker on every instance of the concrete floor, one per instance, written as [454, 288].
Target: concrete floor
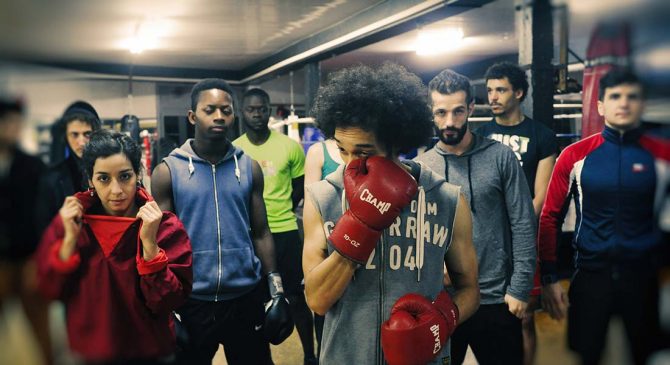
[552, 349]
[18, 347]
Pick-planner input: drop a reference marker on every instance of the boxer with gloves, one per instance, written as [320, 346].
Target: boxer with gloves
[378, 228]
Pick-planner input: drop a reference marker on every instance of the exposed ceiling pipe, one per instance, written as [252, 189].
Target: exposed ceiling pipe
[400, 17]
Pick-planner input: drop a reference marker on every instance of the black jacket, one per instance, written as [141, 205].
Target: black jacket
[18, 233]
[56, 184]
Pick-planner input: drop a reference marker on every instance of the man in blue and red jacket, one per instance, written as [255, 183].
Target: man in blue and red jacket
[617, 179]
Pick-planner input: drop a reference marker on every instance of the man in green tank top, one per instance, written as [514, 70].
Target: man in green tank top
[283, 163]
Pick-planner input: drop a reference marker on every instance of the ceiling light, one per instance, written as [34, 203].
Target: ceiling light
[146, 36]
[656, 58]
[433, 42]
[136, 45]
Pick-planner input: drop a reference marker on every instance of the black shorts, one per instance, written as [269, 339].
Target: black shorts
[288, 254]
[234, 323]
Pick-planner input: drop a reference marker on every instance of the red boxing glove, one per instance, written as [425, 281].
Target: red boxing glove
[377, 190]
[417, 329]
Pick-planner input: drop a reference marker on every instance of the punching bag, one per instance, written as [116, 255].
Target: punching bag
[609, 47]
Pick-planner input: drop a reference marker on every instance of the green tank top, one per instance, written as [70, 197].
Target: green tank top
[329, 165]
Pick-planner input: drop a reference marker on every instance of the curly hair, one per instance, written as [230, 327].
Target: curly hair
[105, 143]
[388, 101]
[514, 74]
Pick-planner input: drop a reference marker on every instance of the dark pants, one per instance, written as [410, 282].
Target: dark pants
[493, 333]
[318, 329]
[236, 324]
[288, 254]
[596, 296]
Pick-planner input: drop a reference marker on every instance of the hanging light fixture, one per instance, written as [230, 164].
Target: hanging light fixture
[437, 41]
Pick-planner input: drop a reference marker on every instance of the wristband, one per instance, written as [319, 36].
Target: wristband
[275, 284]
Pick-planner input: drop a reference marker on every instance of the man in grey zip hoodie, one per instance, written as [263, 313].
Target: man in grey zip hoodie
[504, 228]
[372, 113]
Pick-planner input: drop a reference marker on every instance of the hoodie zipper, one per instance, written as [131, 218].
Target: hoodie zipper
[617, 214]
[380, 313]
[218, 235]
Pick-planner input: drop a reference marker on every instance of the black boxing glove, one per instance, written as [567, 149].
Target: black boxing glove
[278, 322]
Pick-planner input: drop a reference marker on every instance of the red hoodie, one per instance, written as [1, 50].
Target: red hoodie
[118, 306]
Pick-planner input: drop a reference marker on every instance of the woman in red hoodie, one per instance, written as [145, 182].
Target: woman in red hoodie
[118, 263]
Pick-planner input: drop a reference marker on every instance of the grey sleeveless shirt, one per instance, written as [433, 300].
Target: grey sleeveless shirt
[403, 262]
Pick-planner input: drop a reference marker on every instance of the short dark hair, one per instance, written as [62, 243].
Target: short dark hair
[256, 92]
[82, 111]
[514, 74]
[388, 101]
[616, 77]
[105, 143]
[450, 82]
[208, 84]
[10, 106]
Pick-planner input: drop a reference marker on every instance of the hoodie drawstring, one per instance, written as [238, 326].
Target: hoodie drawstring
[446, 168]
[237, 169]
[345, 206]
[446, 177]
[191, 168]
[472, 196]
[420, 238]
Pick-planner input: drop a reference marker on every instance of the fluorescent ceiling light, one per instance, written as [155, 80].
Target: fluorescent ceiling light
[656, 58]
[138, 44]
[437, 41]
[147, 35]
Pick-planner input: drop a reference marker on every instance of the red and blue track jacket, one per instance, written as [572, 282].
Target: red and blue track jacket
[617, 182]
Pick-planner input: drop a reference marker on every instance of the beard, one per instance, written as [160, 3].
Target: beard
[452, 140]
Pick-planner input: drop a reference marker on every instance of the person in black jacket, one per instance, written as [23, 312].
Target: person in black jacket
[65, 177]
[19, 176]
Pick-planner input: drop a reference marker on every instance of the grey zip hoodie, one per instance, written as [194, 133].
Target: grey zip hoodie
[406, 260]
[503, 219]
